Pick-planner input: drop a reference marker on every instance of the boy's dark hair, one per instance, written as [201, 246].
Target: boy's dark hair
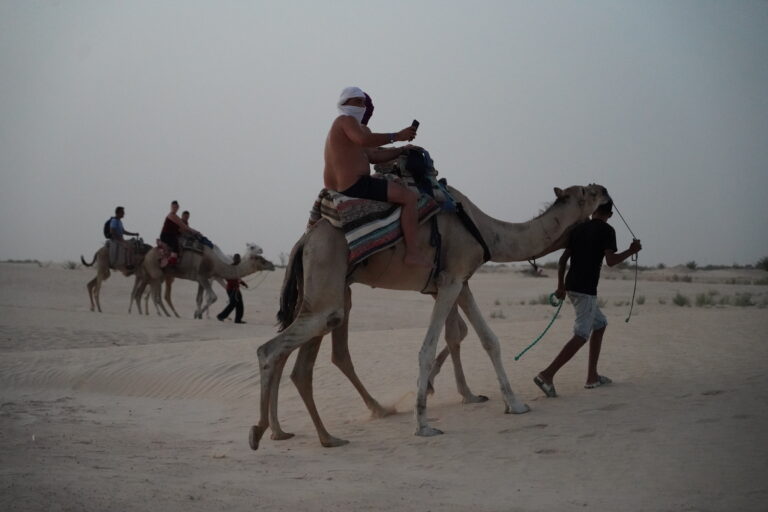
[119, 209]
[185, 212]
[606, 208]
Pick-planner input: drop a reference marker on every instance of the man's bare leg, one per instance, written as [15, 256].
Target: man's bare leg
[595, 343]
[565, 355]
[409, 222]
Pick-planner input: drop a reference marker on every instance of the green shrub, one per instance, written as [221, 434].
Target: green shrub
[498, 314]
[762, 263]
[691, 265]
[681, 300]
[703, 300]
[661, 266]
[70, 265]
[662, 301]
[743, 300]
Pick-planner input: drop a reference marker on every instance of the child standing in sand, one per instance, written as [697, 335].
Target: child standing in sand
[587, 246]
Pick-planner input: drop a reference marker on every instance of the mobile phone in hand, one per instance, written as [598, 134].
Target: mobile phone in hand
[415, 125]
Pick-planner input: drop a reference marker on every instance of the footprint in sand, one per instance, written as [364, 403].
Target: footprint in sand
[609, 407]
[643, 430]
[545, 451]
[713, 392]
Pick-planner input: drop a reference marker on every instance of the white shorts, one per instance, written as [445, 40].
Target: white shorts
[588, 315]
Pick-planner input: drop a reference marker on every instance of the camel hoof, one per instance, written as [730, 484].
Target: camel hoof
[333, 442]
[517, 409]
[281, 436]
[255, 436]
[428, 432]
[475, 399]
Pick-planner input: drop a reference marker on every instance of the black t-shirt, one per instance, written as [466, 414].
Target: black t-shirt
[588, 243]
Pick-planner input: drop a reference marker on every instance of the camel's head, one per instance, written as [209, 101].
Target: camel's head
[582, 200]
[253, 257]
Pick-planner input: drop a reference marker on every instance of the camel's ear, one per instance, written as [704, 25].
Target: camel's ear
[559, 193]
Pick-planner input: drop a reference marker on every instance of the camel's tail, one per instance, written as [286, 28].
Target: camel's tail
[86, 263]
[292, 285]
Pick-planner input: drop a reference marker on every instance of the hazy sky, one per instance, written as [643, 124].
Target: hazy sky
[224, 106]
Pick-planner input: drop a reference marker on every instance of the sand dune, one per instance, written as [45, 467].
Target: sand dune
[114, 411]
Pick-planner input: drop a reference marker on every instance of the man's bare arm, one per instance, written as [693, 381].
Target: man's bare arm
[613, 258]
[381, 155]
[354, 131]
[561, 266]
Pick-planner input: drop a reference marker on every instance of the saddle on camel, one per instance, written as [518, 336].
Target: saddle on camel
[373, 226]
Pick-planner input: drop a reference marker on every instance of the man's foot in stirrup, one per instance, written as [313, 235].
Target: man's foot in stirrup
[417, 260]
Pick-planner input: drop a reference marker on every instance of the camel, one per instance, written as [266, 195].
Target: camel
[315, 298]
[202, 268]
[101, 260]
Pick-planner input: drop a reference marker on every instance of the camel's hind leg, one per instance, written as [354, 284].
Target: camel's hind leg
[168, 287]
[271, 354]
[157, 300]
[302, 378]
[90, 286]
[341, 358]
[278, 434]
[491, 345]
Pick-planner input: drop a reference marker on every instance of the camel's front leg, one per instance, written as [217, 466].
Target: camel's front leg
[455, 332]
[343, 361]
[491, 345]
[446, 297]
[302, 378]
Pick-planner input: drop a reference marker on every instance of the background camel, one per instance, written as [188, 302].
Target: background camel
[314, 299]
[101, 260]
[200, 267]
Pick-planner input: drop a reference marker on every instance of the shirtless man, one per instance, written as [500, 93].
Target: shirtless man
[351, 147]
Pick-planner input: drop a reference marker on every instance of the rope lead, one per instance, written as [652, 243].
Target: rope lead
[555, 302]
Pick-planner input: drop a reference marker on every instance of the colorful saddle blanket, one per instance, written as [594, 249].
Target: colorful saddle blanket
[369, 226]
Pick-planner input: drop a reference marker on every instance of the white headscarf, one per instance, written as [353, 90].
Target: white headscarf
[350, 110]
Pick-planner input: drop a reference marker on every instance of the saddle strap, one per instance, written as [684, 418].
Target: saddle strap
[467, 221]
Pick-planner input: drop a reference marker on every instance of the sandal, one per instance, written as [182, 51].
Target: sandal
[601, 381]
[547, 387]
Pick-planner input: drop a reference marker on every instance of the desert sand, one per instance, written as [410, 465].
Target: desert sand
[121, 412]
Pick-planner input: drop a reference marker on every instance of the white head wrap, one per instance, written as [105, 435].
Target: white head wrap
[350, 110]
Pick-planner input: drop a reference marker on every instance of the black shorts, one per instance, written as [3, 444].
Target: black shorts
[368, 187]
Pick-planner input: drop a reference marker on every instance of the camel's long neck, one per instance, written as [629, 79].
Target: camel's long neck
[511, 241]
[229, 271]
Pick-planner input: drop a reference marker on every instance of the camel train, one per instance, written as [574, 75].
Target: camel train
[204, 267]
[316, 300]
